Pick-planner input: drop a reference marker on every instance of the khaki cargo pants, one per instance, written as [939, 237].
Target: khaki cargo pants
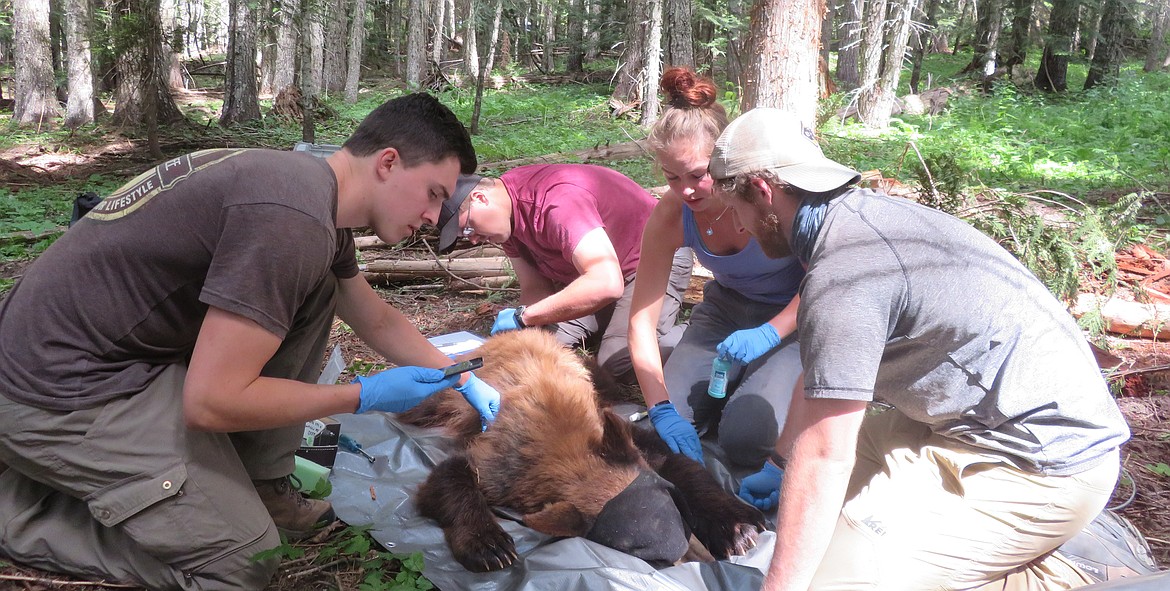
[925, 513]
[125, 492]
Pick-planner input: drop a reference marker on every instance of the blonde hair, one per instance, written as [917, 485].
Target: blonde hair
[692, 113]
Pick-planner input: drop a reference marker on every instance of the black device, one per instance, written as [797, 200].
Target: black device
[463, 366]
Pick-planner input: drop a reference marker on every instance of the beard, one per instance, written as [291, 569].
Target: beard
[771, 237]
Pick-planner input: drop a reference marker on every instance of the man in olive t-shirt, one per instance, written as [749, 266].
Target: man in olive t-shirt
[158, 362]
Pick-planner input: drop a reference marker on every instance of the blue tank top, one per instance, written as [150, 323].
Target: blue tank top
[749, 271]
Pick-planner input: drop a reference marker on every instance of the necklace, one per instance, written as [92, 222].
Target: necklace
[711, 230]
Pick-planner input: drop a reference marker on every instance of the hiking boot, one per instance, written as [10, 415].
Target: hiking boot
[295, 515]
[1109, 548]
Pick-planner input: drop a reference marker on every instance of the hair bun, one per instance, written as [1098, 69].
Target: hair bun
[686, 90]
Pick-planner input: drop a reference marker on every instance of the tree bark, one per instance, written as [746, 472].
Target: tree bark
[925, 39]
[1090, 31]
[849, 51]
[357, 36]
[335, 41]
[679, 33]
[438, 8]
[287, 36]
[870, 57]
[876, 102]
[638, 73]
[316, 39]
[576, 26]
[548, 34]
[470, 38]
[241, 101]
[1052, 76]
[416, 42]
[36, 90]
[79, 110]
[782, 72]
[984, 59]
[1116, 23]
[486, 67]
[1016, 50]
[1160, 21]
[141, 94]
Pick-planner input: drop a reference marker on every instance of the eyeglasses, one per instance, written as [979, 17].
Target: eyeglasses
[468, 230]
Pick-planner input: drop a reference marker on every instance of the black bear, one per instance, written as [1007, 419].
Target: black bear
[568, 466]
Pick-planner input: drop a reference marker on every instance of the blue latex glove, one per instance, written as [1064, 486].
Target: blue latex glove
[677, 432]
[762, 489]
[506, 320]
[482, 398]
[401, 388]
[745, 346]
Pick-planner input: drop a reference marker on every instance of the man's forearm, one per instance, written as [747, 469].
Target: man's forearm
[810, 502]
[582, 297]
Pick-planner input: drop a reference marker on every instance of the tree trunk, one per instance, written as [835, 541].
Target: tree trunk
[437, 18]
[1052, 76]
[241, 101]
[876, 103]
[1090, 31]
[316, 40]
[848, 52]
[470, 39]
[593, 29]
[141, 94]
[357, 36]
[416, 42]
[36, 90]
[266, 30]
[576, 26]
[1016, 50]
[336, 27]
[486, 67]
[1160, 21]
[679, 43]
[984, 58]
[172, 47]
[870, 58]
[309, 86]
[287, 36]
[925, 38]
[783, 69]
[1116, 25]
[548, 33]
[652, 65]
[631, 84]
[79, 109]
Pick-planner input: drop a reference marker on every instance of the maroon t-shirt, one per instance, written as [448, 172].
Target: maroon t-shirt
[555, 205]
[123, 293]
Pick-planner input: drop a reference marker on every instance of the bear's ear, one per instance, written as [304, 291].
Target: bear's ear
[561, 518]
[617, 444]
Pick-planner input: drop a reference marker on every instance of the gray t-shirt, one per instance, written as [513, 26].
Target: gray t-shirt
[913, 307]
[123, 293]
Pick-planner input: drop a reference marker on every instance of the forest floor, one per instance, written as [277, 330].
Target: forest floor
[1140, 368]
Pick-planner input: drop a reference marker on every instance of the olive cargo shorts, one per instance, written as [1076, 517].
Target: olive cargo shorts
[125, 492]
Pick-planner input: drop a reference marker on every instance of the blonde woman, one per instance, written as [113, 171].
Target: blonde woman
[747, 310]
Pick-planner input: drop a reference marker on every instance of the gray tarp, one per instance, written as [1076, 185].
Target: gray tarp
[379, 494]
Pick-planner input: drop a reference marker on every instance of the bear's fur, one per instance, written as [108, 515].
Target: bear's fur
[556, 457]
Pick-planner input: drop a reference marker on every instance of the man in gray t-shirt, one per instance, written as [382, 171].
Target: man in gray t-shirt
[1003, 440]
[159, 361]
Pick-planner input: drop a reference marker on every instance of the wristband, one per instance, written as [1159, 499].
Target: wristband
[520, 316]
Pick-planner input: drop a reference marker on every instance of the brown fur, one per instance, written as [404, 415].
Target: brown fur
[553, 455]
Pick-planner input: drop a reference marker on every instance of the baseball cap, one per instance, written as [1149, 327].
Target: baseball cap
[775, 140]
[449, 214]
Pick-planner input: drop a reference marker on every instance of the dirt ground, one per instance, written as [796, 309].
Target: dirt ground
[1141, 374]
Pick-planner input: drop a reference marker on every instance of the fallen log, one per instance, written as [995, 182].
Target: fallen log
[465, 268]
[1124, 317]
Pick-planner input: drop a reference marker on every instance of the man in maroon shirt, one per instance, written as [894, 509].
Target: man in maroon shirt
[573, 233]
